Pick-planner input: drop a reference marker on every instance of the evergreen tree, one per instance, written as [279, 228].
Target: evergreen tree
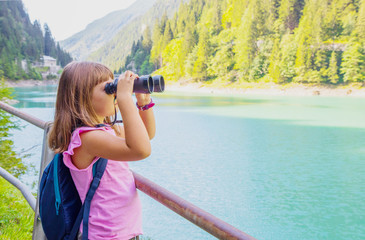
[181, 17]
[232, 17]
[222, 61]
[217, 18]
[147, 41]
[360, 24]
[333, 69]
[353, 62]
[333, 26]
[49, 43]
[203, 48]
[167, 35]
[246, 47]
[288, 49]
[274, 70]
[290, 12]
[157, 38]
[309, 40]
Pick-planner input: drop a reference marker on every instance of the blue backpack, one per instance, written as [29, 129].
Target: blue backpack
[60, 207]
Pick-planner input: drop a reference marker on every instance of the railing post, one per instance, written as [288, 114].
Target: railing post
[47, 156]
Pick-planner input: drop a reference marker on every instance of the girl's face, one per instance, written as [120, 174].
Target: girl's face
[103, 104]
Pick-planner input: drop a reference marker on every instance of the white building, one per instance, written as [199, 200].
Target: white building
[51, 63]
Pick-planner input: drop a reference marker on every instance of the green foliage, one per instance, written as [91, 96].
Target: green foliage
[353, 63]
[245, 42]
[280, 41]
[288, 49]
[139, 58]
[260, 64]
[222, 61]
[274, 70]
[16, 216]
[9, 159]
[360, 25]
[333, 69]
[202, 55]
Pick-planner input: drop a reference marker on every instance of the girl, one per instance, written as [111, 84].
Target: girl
[81, 106]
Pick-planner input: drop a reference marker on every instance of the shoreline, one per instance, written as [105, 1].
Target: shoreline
[292, 89]
[271, 89]
[30, 83]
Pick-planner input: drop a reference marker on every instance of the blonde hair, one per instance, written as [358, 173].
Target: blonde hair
[73, 102]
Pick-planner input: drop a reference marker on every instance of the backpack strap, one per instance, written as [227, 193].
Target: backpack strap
[98, 171]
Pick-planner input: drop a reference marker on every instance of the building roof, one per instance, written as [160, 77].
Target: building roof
[49, 58]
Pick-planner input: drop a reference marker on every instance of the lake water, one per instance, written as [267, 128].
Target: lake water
[275, 167]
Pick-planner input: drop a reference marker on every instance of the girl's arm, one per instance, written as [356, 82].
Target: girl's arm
[147, 116]
[136, 144]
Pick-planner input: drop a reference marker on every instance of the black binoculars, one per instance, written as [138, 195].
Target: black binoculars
[142, 84]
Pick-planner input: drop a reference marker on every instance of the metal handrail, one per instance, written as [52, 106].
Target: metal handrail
[29, 118]
[21, 186]
[189, 211]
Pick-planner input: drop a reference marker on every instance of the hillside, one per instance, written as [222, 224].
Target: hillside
[238, 41]
[23, 43]
[99, 32]
[115, 51]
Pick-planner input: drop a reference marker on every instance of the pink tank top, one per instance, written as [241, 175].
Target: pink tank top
[115, 210]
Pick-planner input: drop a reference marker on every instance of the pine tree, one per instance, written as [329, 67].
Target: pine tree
[217, 18]
[360, 25]
[353, 62]
[147, 41]
[245, 47]
[200, 65]
[222, 60]
[309, 40]
[167, 35]
[49, 43]
[290, 12]
[288, 49]
[157, 36]
[181, 17]
[233, 14]
[274, 70]
[333, 69]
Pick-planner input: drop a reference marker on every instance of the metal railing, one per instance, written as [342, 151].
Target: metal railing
[197, 216]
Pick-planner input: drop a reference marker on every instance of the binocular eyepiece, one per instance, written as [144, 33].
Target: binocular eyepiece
[142, 84]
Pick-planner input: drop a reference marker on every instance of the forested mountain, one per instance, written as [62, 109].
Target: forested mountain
[281, 41]
[20, 40]
[113, 53]
[99, 32]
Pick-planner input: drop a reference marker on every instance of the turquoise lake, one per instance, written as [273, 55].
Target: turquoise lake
[275, 167]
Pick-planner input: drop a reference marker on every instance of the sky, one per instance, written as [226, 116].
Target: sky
[67, 17]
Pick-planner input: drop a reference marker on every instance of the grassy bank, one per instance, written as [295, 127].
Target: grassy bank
[16, 216]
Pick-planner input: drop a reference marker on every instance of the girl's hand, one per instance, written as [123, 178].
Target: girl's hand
[125, 83]
[143, 99]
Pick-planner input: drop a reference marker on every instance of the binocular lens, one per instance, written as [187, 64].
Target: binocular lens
[142, 84]
[159, 83]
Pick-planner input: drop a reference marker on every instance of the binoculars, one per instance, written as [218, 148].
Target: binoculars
[142, 84]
